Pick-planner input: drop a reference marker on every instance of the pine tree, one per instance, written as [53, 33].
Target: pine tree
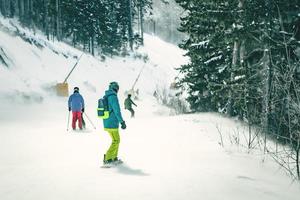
[243, 63]
[96, 24]
[207, 75]
[142, 7]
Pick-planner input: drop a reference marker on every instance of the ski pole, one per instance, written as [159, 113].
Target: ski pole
[89, 120]
[68, 121]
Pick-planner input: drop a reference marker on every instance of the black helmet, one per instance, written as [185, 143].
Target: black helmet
[114, 86]
[76, 89]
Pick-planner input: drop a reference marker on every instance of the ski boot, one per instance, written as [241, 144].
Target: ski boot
[107, 163]
[117, 161]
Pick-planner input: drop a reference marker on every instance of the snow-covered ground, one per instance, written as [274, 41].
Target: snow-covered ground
[166, 157]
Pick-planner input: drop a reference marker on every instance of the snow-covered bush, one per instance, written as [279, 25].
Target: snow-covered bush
[172, 98]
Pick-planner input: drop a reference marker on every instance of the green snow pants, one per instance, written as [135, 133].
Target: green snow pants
[112, 152]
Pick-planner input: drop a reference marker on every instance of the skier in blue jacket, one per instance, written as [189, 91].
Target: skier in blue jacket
[111, 124]
[76, 104]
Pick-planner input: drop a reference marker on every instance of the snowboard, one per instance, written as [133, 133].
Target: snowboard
[112, 165]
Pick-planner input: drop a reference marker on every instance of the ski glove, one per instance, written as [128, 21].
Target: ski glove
[82, 110]
[69, 108]
[123, 125]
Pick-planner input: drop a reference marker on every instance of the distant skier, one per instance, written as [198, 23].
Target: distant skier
[128, 105]
[111, 124]
[76, 105]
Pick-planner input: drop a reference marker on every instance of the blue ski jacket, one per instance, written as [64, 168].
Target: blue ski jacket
[115, 116]
[76, 102]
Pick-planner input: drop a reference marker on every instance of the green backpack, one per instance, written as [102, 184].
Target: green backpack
[103, 110]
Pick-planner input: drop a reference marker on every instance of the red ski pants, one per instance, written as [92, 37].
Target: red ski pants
[77, 116]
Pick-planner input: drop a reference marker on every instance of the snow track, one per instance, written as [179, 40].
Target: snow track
[165, 158]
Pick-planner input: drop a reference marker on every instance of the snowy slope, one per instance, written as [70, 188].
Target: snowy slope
[34, 69]
[166, 157]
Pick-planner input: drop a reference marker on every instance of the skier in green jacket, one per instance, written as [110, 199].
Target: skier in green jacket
[128, 105]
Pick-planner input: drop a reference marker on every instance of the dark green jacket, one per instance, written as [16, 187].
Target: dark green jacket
[128, 103]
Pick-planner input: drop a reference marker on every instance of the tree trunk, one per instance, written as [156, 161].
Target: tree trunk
[93, 45]
[30, 8]
[266, 98]
[142, 20]
[267, 68]
[229, 110]
[235, 56]
[57, 20]
[12, 8]
[47, 21]
[297, 158]
[26, 11]
[3, 7]
[20, 9]
[130, 31]
[74, 38]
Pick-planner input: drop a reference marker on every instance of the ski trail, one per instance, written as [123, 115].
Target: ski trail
[165, 157]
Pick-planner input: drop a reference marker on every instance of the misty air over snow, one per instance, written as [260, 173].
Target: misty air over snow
[149, 99]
